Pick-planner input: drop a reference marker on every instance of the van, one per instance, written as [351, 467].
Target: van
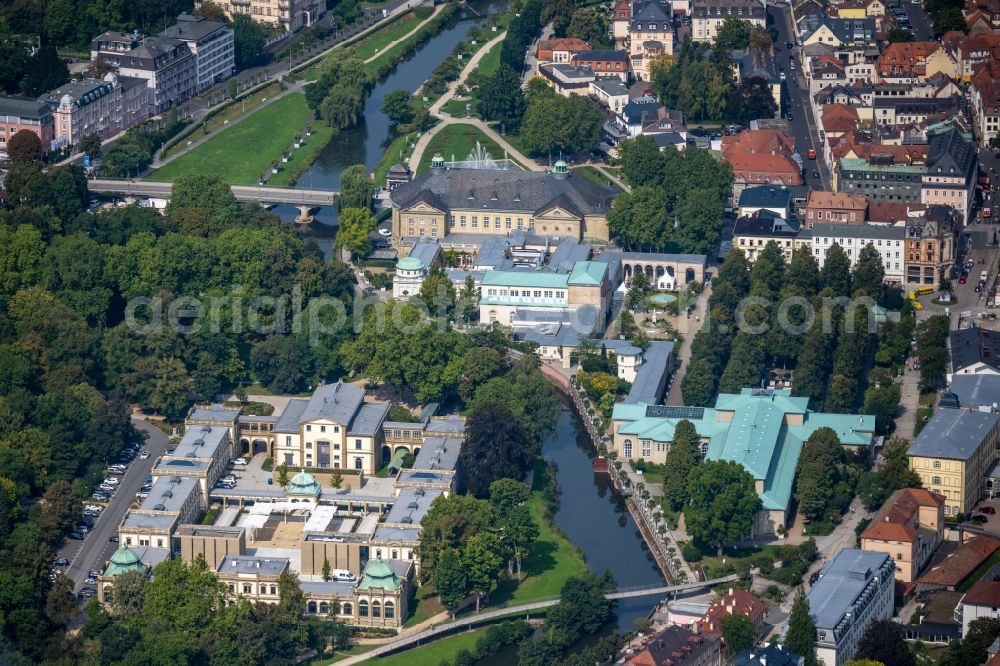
[343, 575]
[912, 296]
[982, 276]
[926, 289]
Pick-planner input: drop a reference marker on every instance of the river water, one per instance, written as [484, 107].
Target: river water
[366, 143]
[595, 519]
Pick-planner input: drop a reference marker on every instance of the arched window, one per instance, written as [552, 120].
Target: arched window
[376, 609]
[378, 553]
[311, 607]
[324, 607]
[358, 463]
[363, 608]
[390, 610]
[346, 609]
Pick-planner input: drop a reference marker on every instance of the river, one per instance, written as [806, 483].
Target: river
[366, 142]
[595, 519]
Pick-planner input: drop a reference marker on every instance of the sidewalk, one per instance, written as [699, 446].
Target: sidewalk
[909, 403]
[687, 327]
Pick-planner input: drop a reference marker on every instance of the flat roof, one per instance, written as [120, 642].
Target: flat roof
[953, 434]
[404, 534]
[438, 454]
[841, 582]
[861, 231]
[411, 506]
[252, 564]
[209, 530]
[155, 521]
[214, 412]
[328, 588]
[453, 423]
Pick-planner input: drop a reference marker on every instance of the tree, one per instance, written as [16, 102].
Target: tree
[356, 188]
[233, 89]
[478, 365]
[438, 293]
[972, 648]
[248, 40]
[837, 271]
[897, 35]
[818, 473]
[24, 147]
[501, 98]
[883, 641]
[733, 34]
[869, 272]
[641, 160]
[482, 561]
[590, 26]
[739, 633]
[746, 364]
[699, 218]
[803, 273]
[582, 609]
[699, 384]
[682, 457]
[752, 99]
[128, 594]
[883, 403]
[326, 573]
[60, 602]
[723, 502]
[948, 20]
[206, 202]
[496, 447]
[638, 219]
[354, 227]
[801, 635]
[45, 71]
[91, 145]
[875, 487]
[283, 479]
[559, 13]
[515, 522]
[336, 479]
[554, 123]
[397, 106]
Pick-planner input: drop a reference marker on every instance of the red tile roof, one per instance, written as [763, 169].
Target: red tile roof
[891, 523]
[984, 593]
[761, 156]
[839, 118]
[957, 566]
[891, 211]
[906, 57]
[736, 602]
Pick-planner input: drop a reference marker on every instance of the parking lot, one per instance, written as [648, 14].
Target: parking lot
[992, 522]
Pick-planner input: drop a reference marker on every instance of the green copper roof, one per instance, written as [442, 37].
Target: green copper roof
[856, 164]
[588, 273]
[542, 279]
[379, 575]
[302, 483]
[409, 264]
[122, 560]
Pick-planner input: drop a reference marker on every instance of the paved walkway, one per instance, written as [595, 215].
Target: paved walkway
[610, 176]
[446, 120]
[687, 327]
[390, 45]
[909, 403]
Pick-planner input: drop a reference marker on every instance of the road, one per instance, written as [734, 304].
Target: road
[796, 91]
[919, 25]
[94, 551]
[242, 192]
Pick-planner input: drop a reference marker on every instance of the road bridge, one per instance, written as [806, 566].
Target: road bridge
[524, 609]
[263, 193]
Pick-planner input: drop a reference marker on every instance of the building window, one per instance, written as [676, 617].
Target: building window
[937, 464]
[363, 608]
[346, 609]
[309, 428]
[627, 447]
[358, 463]
[390, 610]
[936, 479]
[274, 589]
[357, 445]
[376, 609]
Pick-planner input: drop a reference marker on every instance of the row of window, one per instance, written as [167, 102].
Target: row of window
[528, 293]
[248, 588]
[322, 428]
[357, 443]
[861, 241]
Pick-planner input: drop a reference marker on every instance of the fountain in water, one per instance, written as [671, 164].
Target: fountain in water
[480, 158]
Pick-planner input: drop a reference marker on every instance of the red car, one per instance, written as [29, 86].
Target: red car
[987, 212]
[961, 278]
[988, 510]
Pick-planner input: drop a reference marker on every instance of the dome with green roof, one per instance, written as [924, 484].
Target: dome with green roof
[560, 167]
[122, 560]
[379, 575]
[303, 483]
[409, 264]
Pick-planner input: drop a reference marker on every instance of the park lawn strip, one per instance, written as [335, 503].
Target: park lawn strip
[241, 153]
[595, 176]
[491, 61]
[434, 653]
[391, 156]
[289, 173]
[458, 140]
[377, 41]
[425, 605]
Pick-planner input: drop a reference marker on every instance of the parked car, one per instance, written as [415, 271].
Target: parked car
[61, 562]
[240, 461]
[78, 536]
[144, 455]
[90, 580]
[986, 509]
[385, 232]
[113, 539]
[963, 278]
[979, 519]
[87, 592]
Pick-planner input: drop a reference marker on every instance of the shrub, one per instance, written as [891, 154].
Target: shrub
[690, 552]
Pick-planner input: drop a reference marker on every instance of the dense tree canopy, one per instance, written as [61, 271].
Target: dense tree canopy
[723, 502]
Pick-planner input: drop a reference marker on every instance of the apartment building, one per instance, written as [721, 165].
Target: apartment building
[289, 15]
[752, 233]
[888, 241]
[950, 179]
[985, 94]
[560, 49]
[880, 178]
[952, 455]
[89, 106]
[908, 528]
[650, 34]
[708, 15]
[605, 63]
[930, 244]
[854, 589]
[23, 113]
[167, 65]
[762, 157]
[211, 43]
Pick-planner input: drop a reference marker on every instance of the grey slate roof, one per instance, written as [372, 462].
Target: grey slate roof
[973, 345]
[765, 196]
[567, 253]
[82, 92]
[952, 153]
[975, 390]
[22, 107]
[427, 251]
[169, 493]
[514, 190]
[368, 420]
[289, 419]
[651, 378]
[333, 402]
[765, 223]
[601, 54]
[864, 231]
[840, 584]
[249, 564]
[649, 11]
[192, 28]
[438, 453]
[214, 412]
[953, 434]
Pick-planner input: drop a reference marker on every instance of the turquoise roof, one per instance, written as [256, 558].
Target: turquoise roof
[409, 264]
[303, 483]
[122, 560]
[756, 436]
[588, 273]
[542, 279]
[856, 164]
[379, 575]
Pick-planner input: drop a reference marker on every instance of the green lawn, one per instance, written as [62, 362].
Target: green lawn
[457, 141]
[491, 61]
[456, 108]
[391, 156]
[434, 653]
[377, 41]
[426, 605]
[242, 152]
[595, 176]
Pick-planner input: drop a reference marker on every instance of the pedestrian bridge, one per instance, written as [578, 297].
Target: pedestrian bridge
[526, 609]
[263, 193]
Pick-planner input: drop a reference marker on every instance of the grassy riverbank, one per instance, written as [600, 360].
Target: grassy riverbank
[242, 152]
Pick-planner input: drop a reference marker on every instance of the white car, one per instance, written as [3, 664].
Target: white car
[240, 461]
[384, 232]
[144, 455]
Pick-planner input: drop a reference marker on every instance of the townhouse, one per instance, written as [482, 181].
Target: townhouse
[23, 113]
[708, 15]
[837, 32]
[834, 208]
[605, 63]
[762, 157]
[930, 244]
[752, 233]
[89, 106]
[985, 94]
[950, 177]
[288, 15]
[560, 49]
[650, 34]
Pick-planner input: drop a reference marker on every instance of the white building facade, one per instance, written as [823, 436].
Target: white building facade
[852, 238]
